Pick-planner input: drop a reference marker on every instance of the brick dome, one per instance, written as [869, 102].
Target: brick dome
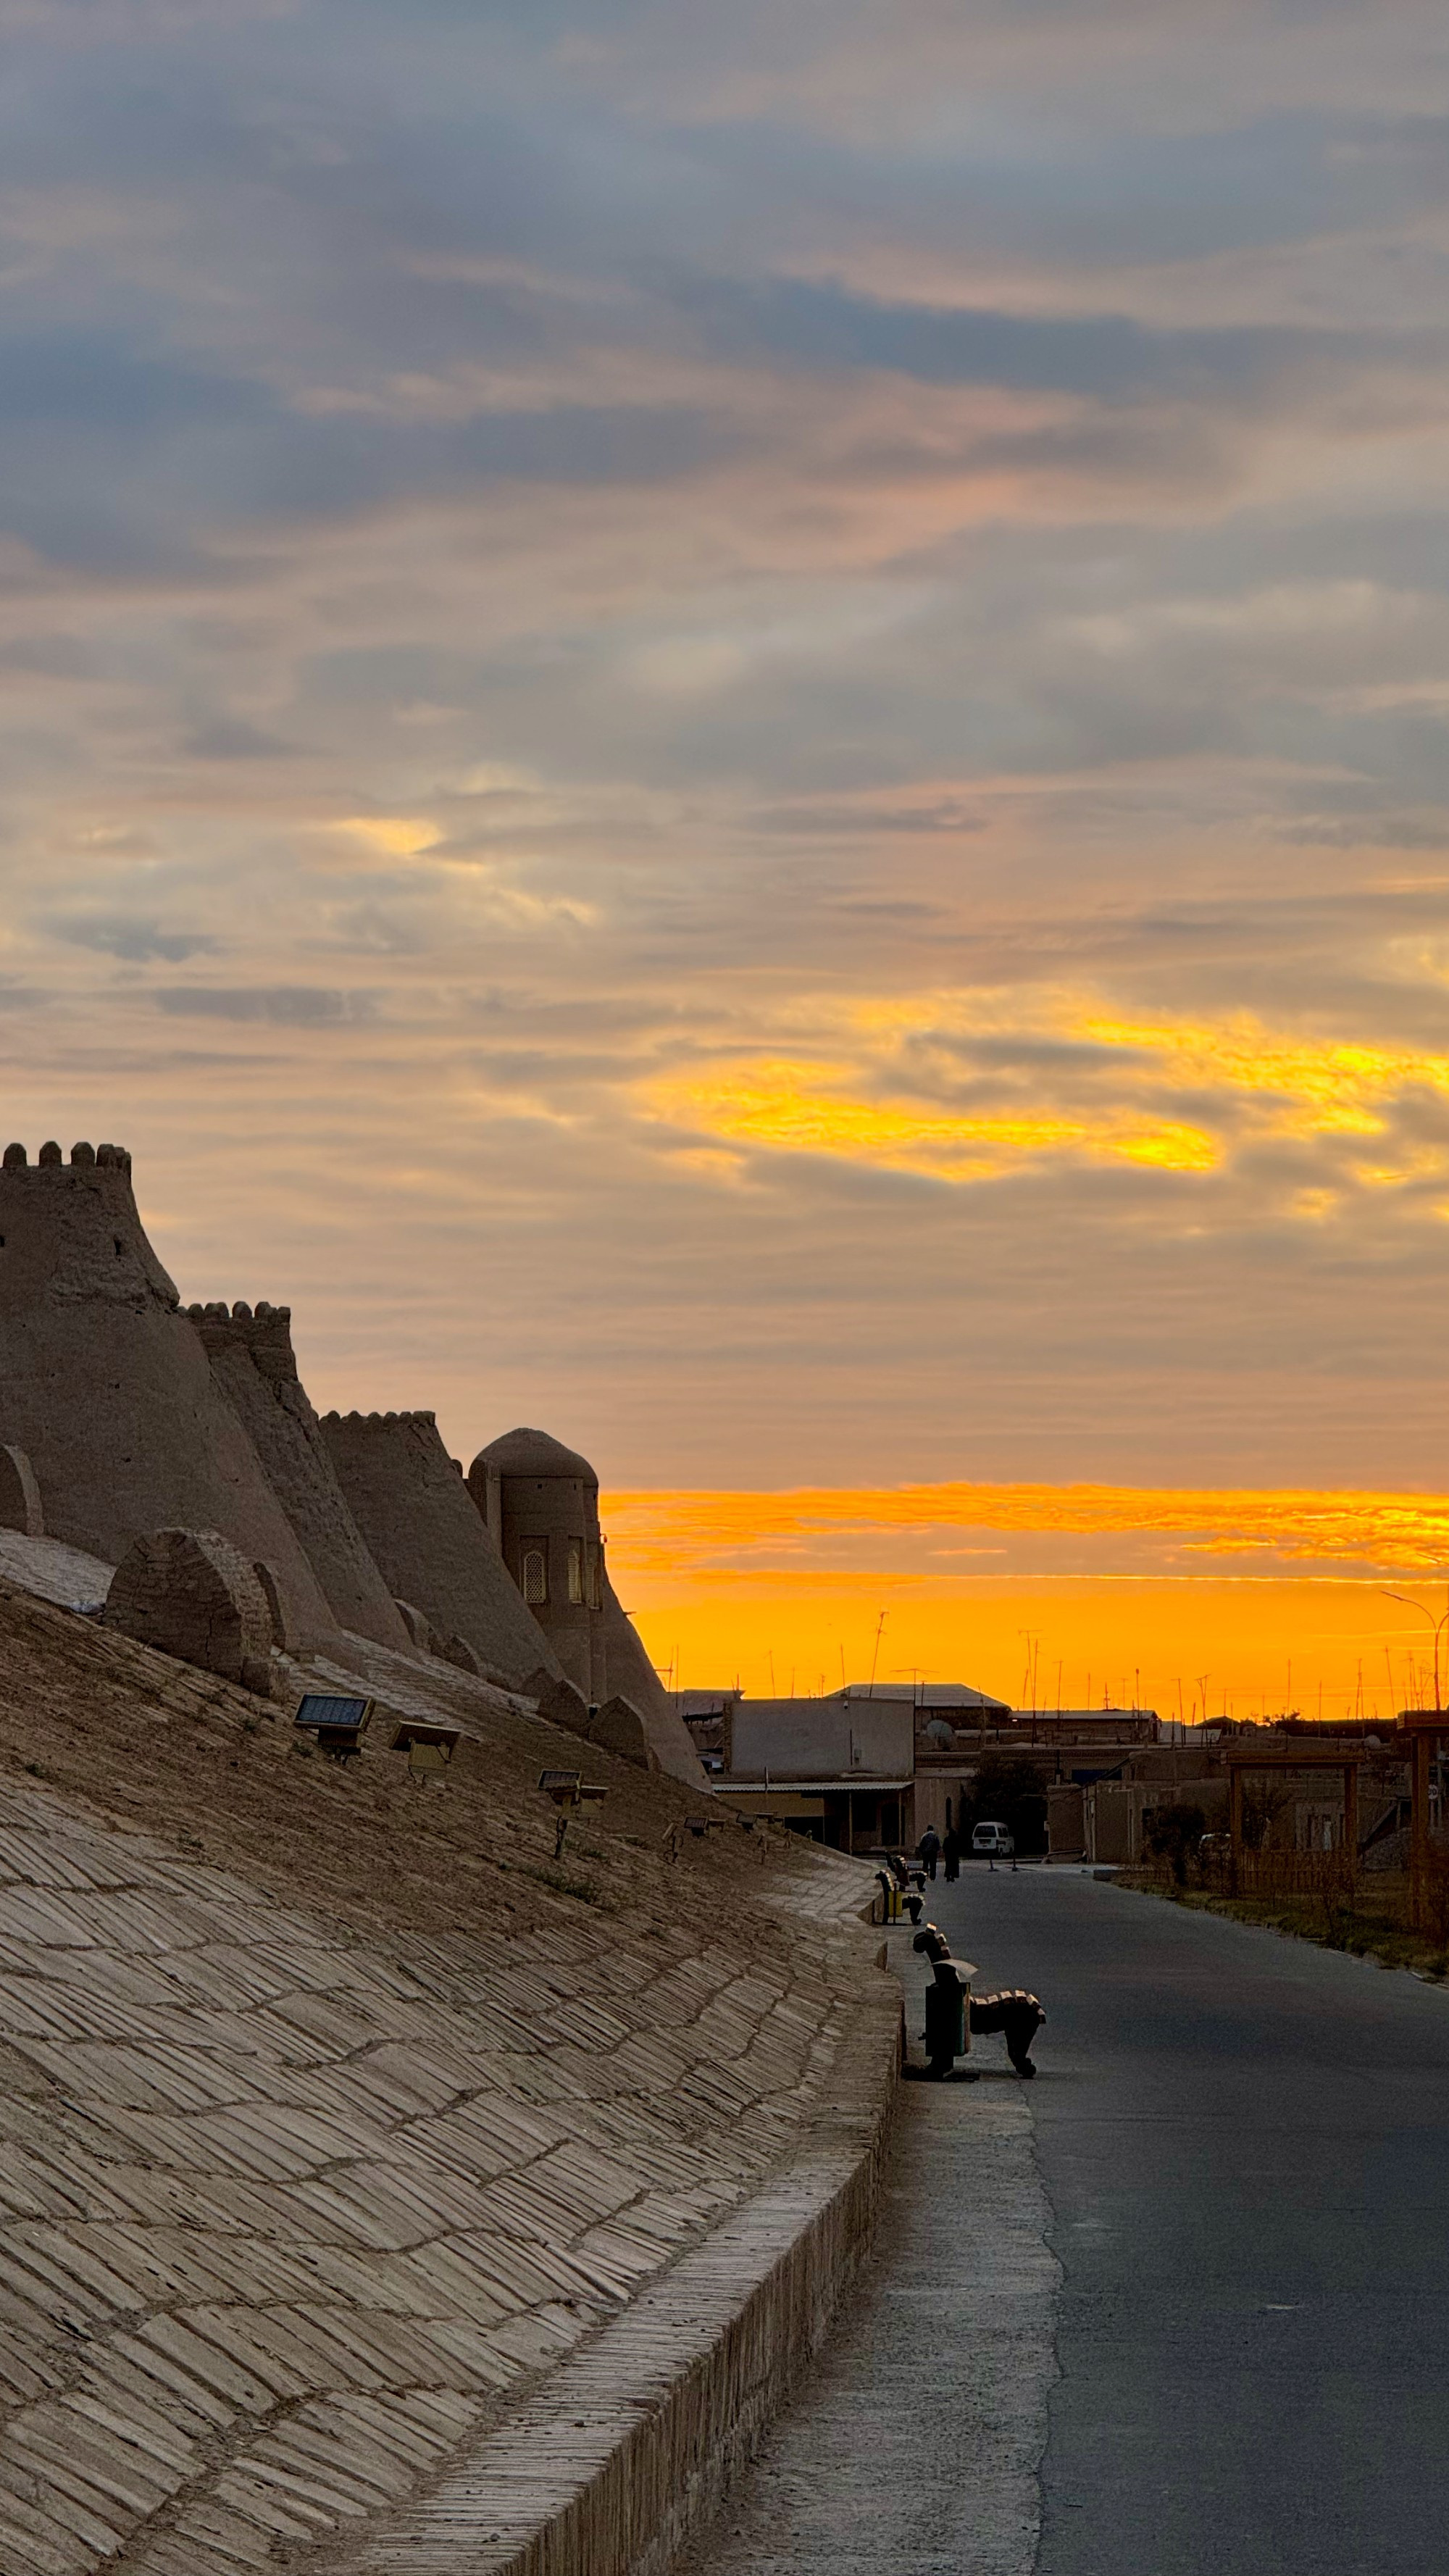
[534, 1453]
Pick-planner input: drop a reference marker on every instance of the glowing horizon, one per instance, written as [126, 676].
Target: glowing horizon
[786, 1589]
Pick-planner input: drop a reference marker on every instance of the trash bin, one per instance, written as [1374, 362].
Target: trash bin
[948, 2002]
[947, 2037]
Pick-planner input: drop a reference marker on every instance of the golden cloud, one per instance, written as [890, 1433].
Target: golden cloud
[802, 1108]
[1327, 1086]
[389, 836]
[1109, 1091]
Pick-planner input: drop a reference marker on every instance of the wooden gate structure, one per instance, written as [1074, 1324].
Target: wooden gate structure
[1423, 1727]
[1242, 1758]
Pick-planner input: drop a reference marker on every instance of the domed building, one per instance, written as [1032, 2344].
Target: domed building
[541, 1503]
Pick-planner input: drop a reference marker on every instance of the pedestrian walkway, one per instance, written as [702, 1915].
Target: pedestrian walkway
[915, 2442]
[1230, 2356]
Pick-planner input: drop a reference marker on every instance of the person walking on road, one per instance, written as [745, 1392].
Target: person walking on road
[951, 1853]
[928, 1850]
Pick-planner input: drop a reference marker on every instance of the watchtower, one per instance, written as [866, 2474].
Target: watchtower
[105, 1386]
[541, 1502]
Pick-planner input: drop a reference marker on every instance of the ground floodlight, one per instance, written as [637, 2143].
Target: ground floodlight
[428, 1746]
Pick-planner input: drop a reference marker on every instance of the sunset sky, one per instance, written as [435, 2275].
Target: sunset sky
[725, 727]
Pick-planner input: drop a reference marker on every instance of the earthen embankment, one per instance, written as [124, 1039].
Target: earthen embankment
[336, 2115]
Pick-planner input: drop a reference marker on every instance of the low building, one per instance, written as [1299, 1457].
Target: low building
[840, 1770]
[1102, 1812]
[959, 1727]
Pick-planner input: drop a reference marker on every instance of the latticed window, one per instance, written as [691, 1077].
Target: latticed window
[594, 1579]
[576, 1569]
[535, 1574]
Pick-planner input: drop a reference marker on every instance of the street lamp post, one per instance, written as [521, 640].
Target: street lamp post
[1438, 1626]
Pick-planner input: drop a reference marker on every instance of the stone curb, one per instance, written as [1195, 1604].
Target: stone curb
[606, 2468]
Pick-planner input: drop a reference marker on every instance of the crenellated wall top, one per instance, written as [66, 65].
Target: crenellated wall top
[382, 1421]
[83, 1158]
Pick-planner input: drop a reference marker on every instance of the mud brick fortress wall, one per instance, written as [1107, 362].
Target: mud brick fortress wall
[341, 2119]
[124, 1415]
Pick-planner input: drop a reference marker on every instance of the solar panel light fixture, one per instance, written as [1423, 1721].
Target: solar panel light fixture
[428, 1746]
[699, 1826]
[568, 1790]
[338, 1723]
[562, 1786]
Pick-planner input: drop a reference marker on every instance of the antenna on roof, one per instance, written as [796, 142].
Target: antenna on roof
[875, 1657]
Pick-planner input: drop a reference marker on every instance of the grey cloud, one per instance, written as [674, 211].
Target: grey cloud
[871, 820]
[139, 942]
[881, 909]
[232, 738]
[1107, 355]
[1380, 831]
[289, 1006]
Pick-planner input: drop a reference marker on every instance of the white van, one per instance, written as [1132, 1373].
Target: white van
[992, 1842]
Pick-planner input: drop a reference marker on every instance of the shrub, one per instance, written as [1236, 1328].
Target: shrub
[1173, 1834]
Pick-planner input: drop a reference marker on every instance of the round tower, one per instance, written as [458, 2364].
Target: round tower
[541, 1502]
[105, 1386]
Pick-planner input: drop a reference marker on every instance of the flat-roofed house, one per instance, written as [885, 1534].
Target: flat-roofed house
[840, 1769]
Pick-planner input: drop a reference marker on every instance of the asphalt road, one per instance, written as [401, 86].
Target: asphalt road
[1237, 2151]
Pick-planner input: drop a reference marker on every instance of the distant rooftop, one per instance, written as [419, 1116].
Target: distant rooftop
[1082, 1716]
[926, 1694]
[704, 1703]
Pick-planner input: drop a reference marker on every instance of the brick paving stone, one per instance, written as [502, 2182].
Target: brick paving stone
[286, 2212]
[326, 2121]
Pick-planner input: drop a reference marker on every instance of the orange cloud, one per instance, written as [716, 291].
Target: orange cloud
[687, 1531]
